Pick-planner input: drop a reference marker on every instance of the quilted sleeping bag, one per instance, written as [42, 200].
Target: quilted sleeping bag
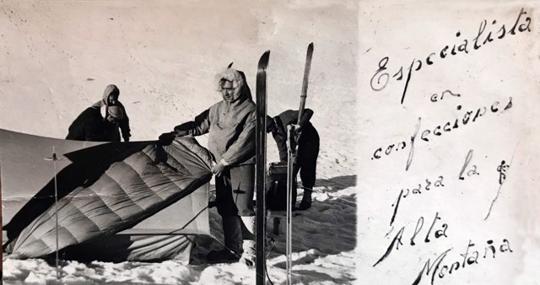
[126, 186]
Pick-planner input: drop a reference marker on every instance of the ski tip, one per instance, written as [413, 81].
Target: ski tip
[310, 48]
[265, 57]
[230, 65]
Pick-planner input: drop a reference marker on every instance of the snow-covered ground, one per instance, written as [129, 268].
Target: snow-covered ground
[324, 240]
[57, 57]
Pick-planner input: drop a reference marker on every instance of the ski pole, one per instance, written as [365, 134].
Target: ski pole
[291, 154]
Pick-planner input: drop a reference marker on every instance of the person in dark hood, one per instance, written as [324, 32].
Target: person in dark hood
[103, 121]
[230, 125]
[307, 142]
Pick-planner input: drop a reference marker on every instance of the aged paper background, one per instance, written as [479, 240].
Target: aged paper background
[502, 69]
[57, 56]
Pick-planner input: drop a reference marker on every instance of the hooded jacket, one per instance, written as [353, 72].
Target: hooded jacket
[91, 126]
[230, 125]
[112, 90]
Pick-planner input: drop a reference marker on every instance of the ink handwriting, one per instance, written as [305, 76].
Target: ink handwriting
[439, 232]
[436, 98]
[486, 34]
[405, 192]
[439, 268]
[470, 172]
[428, 135]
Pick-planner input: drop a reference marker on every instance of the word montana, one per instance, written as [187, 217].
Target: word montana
[472, 255]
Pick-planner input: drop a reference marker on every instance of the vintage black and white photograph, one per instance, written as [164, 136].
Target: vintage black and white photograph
[269, 142]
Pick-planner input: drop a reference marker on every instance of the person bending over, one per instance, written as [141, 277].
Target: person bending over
[307, 140]
[103, 121]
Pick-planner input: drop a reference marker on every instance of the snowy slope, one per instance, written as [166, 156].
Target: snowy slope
[57, 57]
[324, 239]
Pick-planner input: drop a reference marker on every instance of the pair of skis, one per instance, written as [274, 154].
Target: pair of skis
[260, 168]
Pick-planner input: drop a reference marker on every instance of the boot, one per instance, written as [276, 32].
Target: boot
[222, 256]
[249, 254]
[232, 233]
[306, 200]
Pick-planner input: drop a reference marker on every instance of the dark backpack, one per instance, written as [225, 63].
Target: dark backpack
[276, 190]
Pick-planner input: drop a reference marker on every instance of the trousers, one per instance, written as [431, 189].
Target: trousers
[234, 198]
[306, 160]
[234, 191]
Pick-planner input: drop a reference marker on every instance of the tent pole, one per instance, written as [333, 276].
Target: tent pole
[54, 158]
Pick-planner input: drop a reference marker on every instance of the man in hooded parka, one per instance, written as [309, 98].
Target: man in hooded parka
[230, 125]
[307, 141]
[102, 120]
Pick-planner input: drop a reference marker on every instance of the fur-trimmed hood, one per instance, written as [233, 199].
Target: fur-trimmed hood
[238, 79]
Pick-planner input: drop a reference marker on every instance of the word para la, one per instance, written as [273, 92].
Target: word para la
[404, 193]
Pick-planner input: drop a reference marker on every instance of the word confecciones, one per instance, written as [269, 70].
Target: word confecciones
[428, 135]
[486, 34]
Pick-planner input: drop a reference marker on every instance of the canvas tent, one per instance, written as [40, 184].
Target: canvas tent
[116, 201]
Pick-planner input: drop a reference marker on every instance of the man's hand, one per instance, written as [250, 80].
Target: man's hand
[219, 167]
[297, 133]
[181, 133]
[184, 129]
[167, 138]
[297, 129]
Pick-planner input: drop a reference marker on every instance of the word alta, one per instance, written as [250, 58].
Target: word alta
[436, 232]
